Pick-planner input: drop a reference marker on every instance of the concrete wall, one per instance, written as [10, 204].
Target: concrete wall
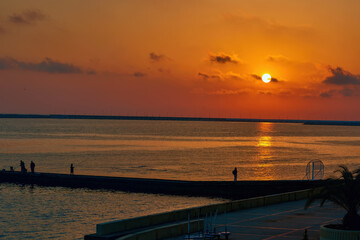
[182, 215]
[166, 231]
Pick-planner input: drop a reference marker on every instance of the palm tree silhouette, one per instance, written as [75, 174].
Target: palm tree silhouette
[343, 191]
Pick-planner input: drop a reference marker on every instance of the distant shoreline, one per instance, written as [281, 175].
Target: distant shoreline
[104, 117]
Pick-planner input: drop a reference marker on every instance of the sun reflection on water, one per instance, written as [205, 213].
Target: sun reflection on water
[264, 169]
[264, 141]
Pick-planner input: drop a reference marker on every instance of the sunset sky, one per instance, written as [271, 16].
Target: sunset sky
[200, 58]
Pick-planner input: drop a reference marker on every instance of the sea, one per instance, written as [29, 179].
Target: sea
[181, 150]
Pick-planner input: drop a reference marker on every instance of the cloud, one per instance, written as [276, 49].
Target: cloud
[139, 74]
[27, 17]
[223, 58]
[233, 75]
[267, 93]
[207, 76]
[164, 70]
[341, 77]
[277, 59]
[157, 57]
[7, 63]
[222, 91]
[327, 94]
[48, 65]
[347, 92]
[257, 77]
[220, 76]
[228, 92]
[286, 93]
[91, 72]
[203, 75]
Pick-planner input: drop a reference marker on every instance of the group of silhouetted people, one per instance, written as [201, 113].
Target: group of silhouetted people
[23, 168]
[32, 167]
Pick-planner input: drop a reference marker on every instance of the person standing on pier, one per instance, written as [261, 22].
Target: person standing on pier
[234, 172]
[71, 169]
[22, 166]
[32, 166]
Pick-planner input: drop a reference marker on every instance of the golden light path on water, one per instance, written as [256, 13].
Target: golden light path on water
[264, 169]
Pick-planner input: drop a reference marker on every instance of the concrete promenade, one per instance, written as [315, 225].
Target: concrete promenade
[284, 221]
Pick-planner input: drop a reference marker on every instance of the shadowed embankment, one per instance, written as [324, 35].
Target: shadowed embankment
[218, 189]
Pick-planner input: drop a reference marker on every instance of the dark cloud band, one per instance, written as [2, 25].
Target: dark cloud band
[48, 65]
[27, 17]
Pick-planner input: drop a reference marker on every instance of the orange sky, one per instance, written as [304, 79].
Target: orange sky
[181, 58]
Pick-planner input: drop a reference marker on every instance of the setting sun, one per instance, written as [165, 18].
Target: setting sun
[266, 78]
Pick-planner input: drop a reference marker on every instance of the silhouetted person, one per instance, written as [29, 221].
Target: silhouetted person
[234, 172]
[32, 166]
[22, 166]
[71, 169]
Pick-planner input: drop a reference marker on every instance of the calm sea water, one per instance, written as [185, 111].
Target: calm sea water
[175, 149]
[62, 213]
[149, 149]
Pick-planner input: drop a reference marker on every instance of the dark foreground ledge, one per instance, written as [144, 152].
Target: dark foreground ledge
[218, 189]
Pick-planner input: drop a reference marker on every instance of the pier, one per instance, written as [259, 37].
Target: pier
[218, 189]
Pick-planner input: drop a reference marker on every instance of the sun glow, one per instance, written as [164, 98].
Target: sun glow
[266, 78]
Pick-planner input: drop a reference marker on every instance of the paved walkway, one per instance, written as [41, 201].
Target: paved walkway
[279, 221]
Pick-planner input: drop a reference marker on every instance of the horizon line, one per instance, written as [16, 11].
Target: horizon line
[223, 119]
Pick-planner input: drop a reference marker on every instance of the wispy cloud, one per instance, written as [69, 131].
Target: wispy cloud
[209, 76]
[257, 77]
[233, 75]
[277, 58]
[27, 17]
[221, 91]
[275, 80]
[139, 74]
[220, 76]
[266, 93]
[327, 94]
[157, 57]
[48, 65]
[347, 92]
[341, 77]
[223, 58]
[228, 92]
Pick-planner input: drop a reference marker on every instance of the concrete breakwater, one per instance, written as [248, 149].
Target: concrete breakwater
[218, 189]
